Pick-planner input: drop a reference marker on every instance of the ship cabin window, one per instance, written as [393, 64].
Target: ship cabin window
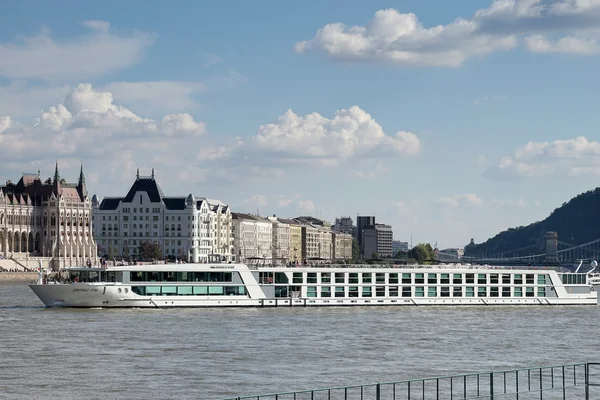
[518, 279]
[529, 292]
[393, 291]
[311, 277]
[325, 291]
[406, 278]
[380, 291]
[419, 291]
[340, 291]
[494, 291]
[173, 276]
[353, 291]
[541, 279]
[340, 277]
[189, 290]
[419, 279]
[406, 291]
[470, 291]
[529, 279]
[506, 291]
[432, 291]
[281, 291]
[445, 279]
[281, 277]
[366, 291]
[393, 278]
[542, 292]
[265, 277]
[481, 292]
[457, 279]
[325, 277]
[506, 278]
[494, 279]
[379, 277]
[432, 279]
[457, 291]
[518, 292]
[569, 279]
[297, 278]
[481, 279]
[445, 290]
[367, 277]
[470, 278]
[353, 278]
[311, 291]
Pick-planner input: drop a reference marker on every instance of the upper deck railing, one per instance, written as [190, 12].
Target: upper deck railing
[565, 382]
[414, 267]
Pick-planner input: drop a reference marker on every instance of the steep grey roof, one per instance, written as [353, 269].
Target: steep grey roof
[148, 185]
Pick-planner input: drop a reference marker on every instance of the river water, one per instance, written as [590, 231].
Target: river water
[216, 353]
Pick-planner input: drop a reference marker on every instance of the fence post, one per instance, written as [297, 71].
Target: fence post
[587, 381]
[378, 392]
[491, 386]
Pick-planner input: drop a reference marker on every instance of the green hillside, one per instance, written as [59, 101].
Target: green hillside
[577, 222]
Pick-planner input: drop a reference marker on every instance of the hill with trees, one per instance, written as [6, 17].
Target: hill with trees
[576, 222]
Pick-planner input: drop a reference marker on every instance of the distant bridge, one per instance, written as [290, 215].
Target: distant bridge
[557, 252]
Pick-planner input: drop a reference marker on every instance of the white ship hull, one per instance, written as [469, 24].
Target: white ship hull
[237, 285]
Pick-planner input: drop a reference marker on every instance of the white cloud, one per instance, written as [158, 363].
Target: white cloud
[257, 200]
[510, 203]
[284, 202]
[88, 124]
[5, 123]
[400, 38]
[306, 206]
[565, 45]
[18, 99]
[459, 200]
[211, 59]
[96, 53]
[369, 169]
[573, 157]
[352, 132]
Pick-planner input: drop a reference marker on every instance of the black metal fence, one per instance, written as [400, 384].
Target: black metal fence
[560, 382]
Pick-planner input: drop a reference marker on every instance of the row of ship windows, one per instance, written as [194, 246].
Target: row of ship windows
[189, 290]
[149, 276]
[419, 291]
[418, 278]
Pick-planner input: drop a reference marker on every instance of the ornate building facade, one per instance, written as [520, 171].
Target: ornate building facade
[190, 228]
[49, 219]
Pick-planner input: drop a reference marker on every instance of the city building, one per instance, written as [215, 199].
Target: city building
[344, 225]
[398, 246]
[377, 240]
[281, 241]
[190, 228]
[317, 239]
[49, 220]
[342, 246]
[362, 223]
[296, 249]
[253, 238]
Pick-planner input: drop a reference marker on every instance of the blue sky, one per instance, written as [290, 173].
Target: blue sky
[447, 120]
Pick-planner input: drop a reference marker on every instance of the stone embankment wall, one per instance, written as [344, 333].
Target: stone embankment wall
[18, 276]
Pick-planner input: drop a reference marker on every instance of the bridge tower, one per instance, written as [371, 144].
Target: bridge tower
[551, 247]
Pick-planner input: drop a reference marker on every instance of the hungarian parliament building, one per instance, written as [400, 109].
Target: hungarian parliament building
[50, 220]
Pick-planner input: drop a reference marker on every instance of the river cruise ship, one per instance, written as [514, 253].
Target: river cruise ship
[240, 285]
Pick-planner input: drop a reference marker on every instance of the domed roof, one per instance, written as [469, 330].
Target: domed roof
[190, 200]
[94, 200]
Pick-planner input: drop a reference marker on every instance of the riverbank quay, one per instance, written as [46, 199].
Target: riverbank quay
[6, 276]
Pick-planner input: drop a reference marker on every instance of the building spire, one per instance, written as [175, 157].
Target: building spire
[56, 175]
[81, 177]
[152, 173]
[137, 175]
